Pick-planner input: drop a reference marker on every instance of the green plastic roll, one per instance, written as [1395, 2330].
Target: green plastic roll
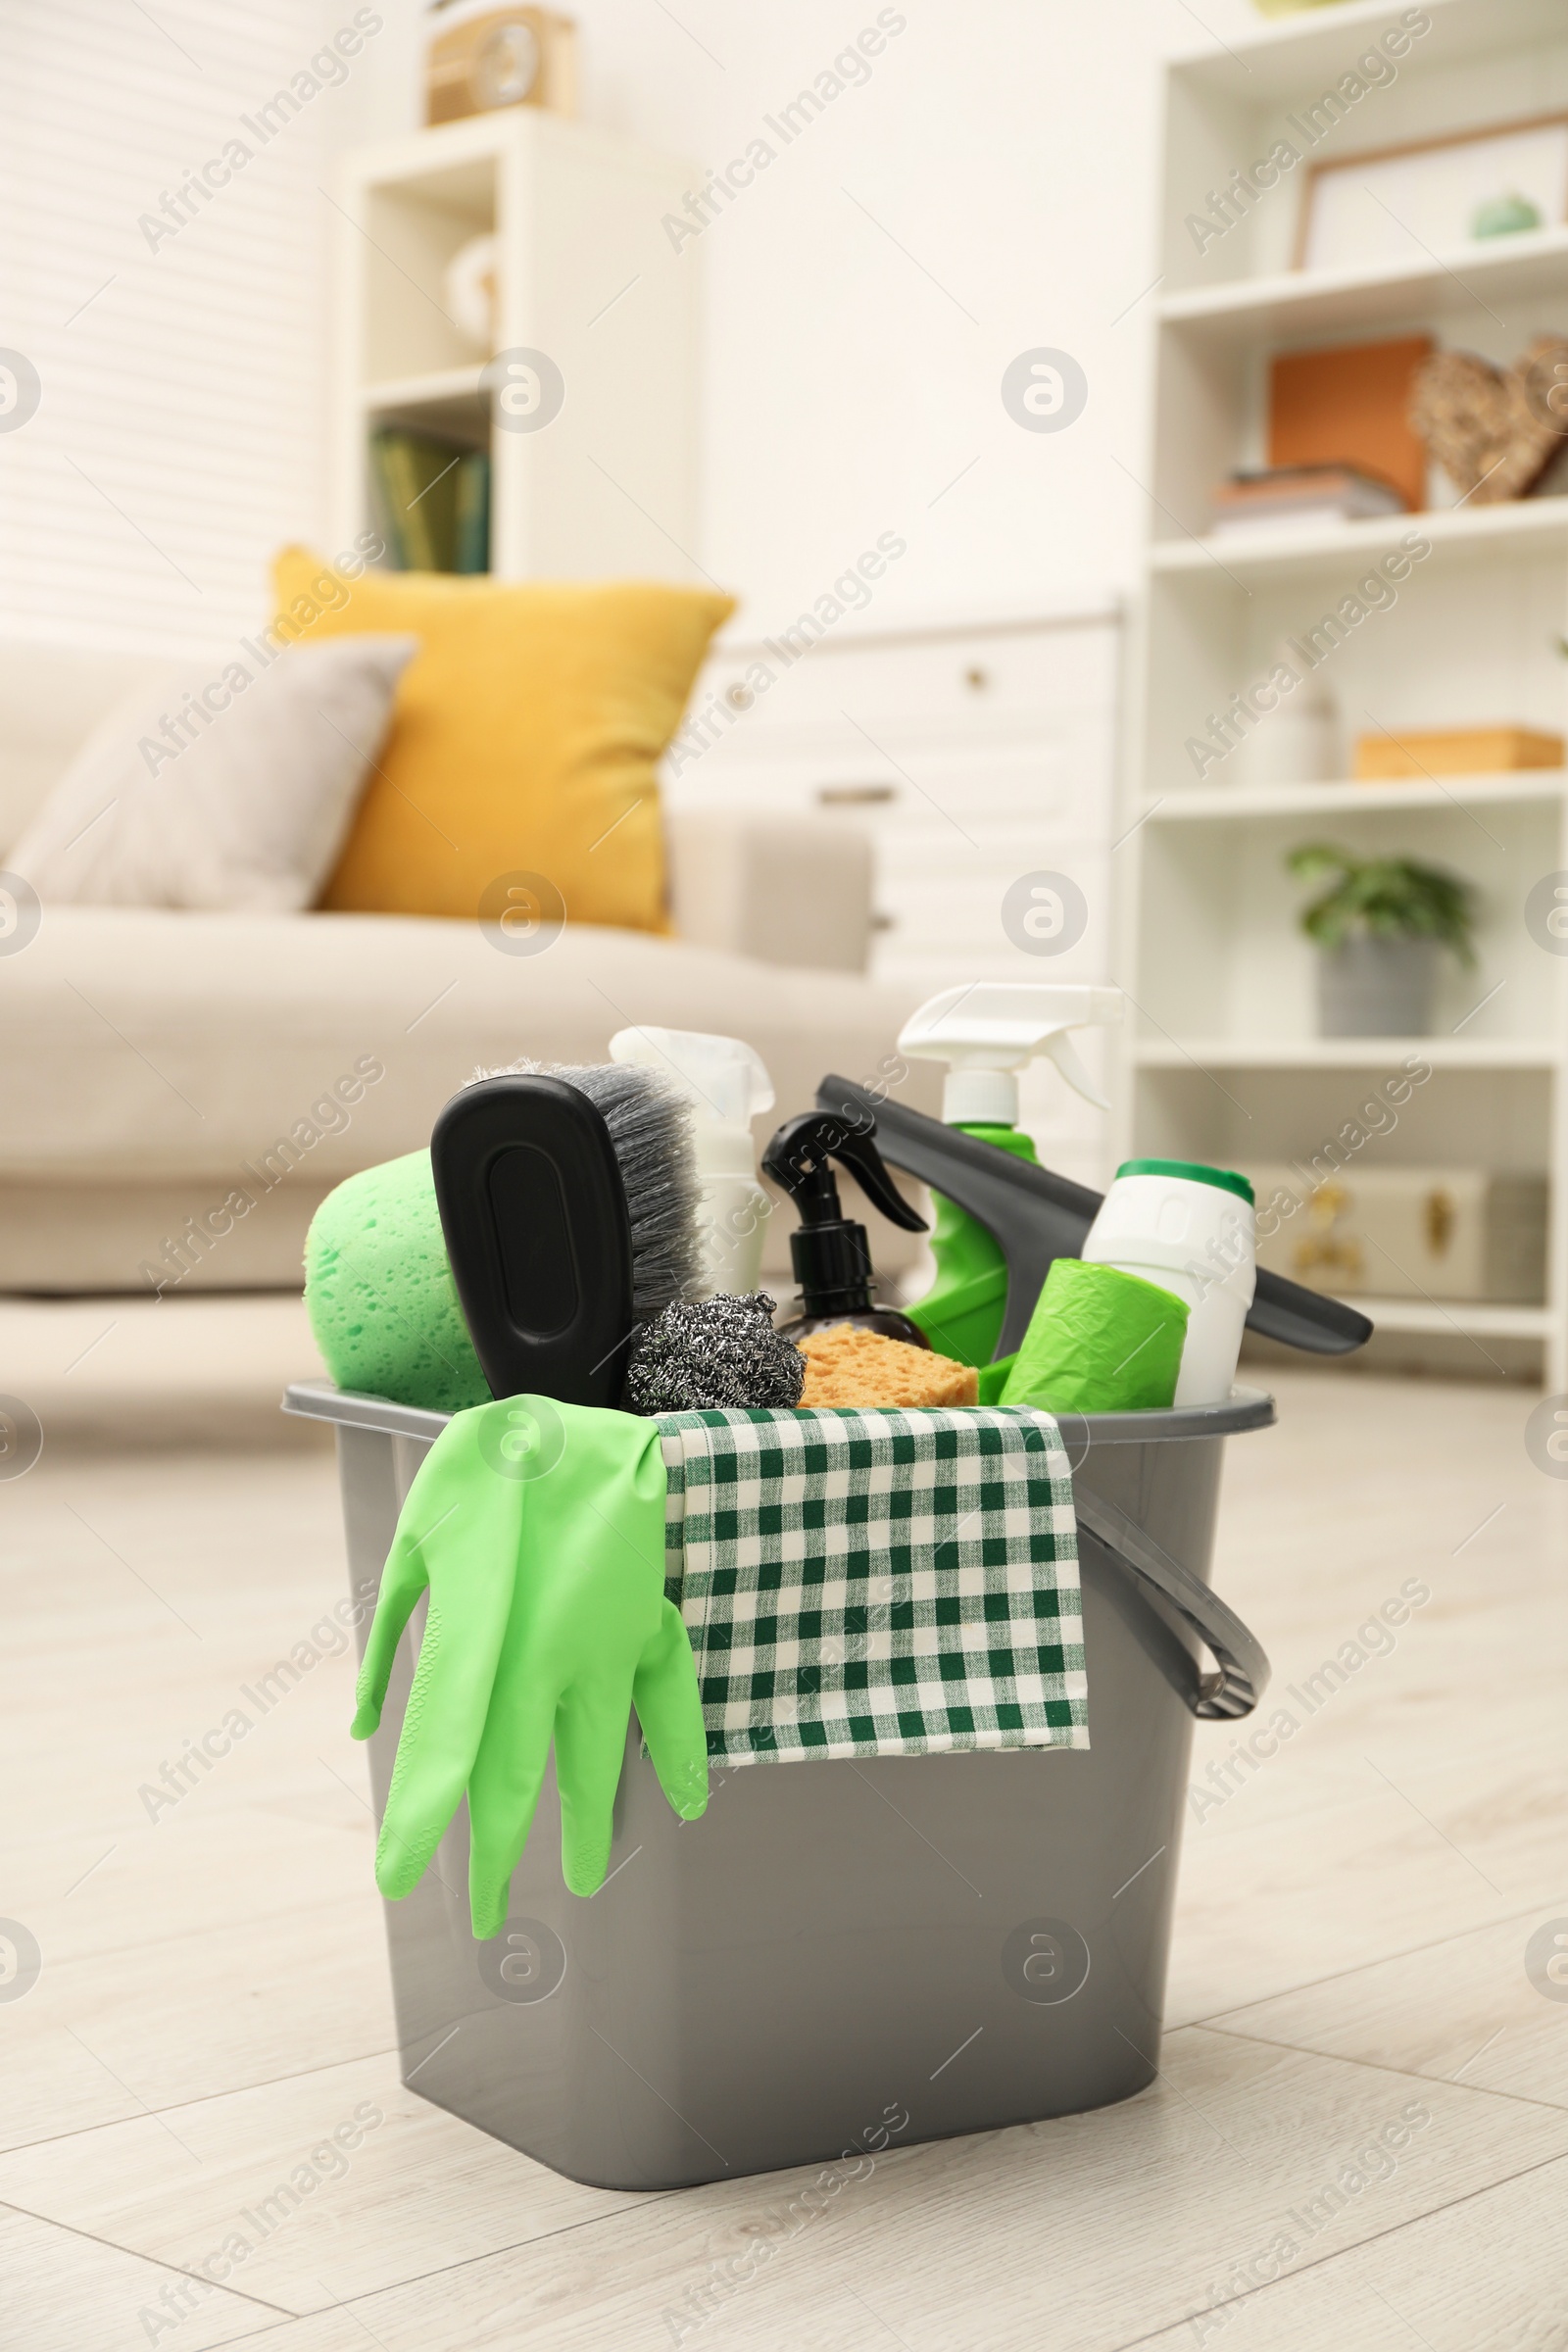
[1099, 1342]
[379, 1292]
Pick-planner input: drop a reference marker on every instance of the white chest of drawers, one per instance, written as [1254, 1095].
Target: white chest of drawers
[973, 752]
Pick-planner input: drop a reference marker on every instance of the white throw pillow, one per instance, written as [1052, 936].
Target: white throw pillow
[221, 788]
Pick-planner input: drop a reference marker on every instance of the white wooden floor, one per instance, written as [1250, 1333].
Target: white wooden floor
[1350, 1949]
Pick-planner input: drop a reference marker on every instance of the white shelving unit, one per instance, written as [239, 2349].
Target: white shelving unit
[586, 275]
[1222, 1061]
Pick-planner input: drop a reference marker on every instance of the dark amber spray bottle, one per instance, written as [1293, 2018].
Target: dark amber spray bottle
[830, 1253]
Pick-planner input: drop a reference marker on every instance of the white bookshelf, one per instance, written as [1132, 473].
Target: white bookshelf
[1345, 1052]
[1468, 1319]
[1527, 787]
[586, 273]
[1297, 302]
[1488, 535]
[1222, 1061]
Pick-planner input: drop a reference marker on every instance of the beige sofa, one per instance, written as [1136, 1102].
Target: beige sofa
[158, 1069]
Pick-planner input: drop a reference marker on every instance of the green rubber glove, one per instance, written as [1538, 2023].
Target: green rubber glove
[539, 1529]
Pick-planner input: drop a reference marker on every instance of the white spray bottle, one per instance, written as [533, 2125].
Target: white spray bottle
[728, 1086]
[986, 1033]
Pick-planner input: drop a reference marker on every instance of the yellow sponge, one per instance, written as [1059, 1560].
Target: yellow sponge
[379, 1292]
[846, 1365]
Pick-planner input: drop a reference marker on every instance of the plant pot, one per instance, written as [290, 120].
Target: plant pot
[1376, 987]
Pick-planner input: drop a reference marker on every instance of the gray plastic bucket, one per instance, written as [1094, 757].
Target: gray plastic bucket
[836, 1951]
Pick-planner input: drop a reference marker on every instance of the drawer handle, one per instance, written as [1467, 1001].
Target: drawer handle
[854, 795]
[977, 679]
[884, 923]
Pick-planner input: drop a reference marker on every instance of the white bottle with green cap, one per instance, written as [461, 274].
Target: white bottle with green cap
[1191, 1229]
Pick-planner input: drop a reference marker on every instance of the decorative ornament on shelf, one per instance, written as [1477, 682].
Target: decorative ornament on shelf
[468, 283]
[1297, 742]
[483, 57]
[1379, 927]
[1506, 216]
[1494, 430]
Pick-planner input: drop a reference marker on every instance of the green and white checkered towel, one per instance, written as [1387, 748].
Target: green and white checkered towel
[892, 1582]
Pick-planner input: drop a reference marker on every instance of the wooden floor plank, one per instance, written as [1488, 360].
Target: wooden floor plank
[59, 2289]
[1352, 1918]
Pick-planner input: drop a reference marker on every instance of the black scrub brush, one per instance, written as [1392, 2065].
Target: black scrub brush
[568, 1200]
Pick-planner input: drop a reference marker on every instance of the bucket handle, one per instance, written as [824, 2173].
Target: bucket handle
[1244, 1667]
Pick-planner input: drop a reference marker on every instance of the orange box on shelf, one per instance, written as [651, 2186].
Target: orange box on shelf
[1454, 751]
[1349, 405]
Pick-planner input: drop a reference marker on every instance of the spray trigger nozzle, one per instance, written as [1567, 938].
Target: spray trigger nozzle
[989, 1031]
[800, 1158]
[1064, 1054]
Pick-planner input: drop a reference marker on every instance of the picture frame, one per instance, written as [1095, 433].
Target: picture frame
[1388, 204]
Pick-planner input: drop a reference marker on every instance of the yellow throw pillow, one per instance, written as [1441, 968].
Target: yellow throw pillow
[525, 735]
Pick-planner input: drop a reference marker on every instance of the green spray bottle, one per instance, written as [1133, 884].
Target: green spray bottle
[986, 1033]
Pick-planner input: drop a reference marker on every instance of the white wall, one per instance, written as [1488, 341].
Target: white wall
[1008, 148]
[988, 189]
[179, 432]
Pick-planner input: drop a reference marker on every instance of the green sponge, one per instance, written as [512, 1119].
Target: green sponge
[380, 1295]
[1099, 1342]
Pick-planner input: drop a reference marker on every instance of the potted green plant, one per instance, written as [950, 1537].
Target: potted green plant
[1379, 927]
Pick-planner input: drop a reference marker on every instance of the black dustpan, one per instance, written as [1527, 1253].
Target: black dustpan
[1036, 1216]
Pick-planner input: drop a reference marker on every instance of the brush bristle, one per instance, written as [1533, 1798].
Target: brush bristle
[649, 1122]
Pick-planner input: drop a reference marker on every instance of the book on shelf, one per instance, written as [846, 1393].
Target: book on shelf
[432, 501]
[471, 549]
[1274, 493]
